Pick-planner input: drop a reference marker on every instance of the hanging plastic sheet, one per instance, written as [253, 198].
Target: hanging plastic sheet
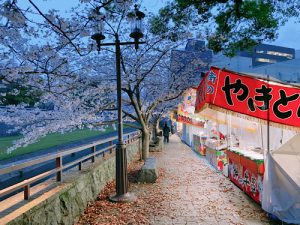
[281, 190]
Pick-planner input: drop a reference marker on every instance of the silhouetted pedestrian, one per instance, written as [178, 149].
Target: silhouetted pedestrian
[166, 133]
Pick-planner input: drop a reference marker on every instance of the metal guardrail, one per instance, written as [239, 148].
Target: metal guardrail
[130, 137]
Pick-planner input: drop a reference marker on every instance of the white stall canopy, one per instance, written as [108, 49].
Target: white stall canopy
[281, 187]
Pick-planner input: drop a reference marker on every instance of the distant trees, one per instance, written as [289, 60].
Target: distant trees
[15, 94]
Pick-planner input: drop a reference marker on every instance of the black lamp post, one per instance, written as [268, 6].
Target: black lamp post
[136, 25]
[122, 194]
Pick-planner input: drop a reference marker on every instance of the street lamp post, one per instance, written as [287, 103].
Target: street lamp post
[122, 194]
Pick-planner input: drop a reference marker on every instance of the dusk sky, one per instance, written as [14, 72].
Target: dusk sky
[289, 35]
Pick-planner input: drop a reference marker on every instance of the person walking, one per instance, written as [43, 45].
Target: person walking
[166, 133]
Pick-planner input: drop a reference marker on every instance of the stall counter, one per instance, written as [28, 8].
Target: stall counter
[246, 170]
[216, 153]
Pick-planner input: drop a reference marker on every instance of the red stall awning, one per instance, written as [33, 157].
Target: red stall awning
[249, 96]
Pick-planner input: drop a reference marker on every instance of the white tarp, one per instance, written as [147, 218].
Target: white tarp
[281, 190]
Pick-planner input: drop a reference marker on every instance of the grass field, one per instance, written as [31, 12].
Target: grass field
[50, 140]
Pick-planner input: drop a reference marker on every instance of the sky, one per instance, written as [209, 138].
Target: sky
[288, 36]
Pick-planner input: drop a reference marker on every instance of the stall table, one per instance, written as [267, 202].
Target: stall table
[198, 144]
[215, 154]
[246, 170]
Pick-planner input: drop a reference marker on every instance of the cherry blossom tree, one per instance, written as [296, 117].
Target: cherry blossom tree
[152, 84]
[54, 54]
[44, 54]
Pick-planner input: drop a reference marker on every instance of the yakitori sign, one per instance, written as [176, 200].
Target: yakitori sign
[249, 95]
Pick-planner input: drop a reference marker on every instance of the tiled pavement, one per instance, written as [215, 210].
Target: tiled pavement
[188, 191]
[196, 194]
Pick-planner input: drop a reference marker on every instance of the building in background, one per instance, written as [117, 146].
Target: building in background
[194, 59]
[264, 54]
[276, 61]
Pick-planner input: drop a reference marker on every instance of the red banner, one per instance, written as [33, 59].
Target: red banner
[188, 120]
[251, 96]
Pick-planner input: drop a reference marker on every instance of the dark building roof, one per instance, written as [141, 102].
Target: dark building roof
[194, 59]
[194, 45]
[264, 54]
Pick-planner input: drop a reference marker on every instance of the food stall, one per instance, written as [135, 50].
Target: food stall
[192, 125]
[262, 116]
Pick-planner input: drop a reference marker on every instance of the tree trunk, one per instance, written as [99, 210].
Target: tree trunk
[154, 134]
[157, 127]
[155, 130]
[145, 143]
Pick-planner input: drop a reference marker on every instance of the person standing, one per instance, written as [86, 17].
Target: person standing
[166, 133]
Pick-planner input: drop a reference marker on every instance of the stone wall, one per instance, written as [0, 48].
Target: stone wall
[68, 204]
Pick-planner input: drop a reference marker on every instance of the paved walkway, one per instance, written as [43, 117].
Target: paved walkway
[188, 191]
[200, 195]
